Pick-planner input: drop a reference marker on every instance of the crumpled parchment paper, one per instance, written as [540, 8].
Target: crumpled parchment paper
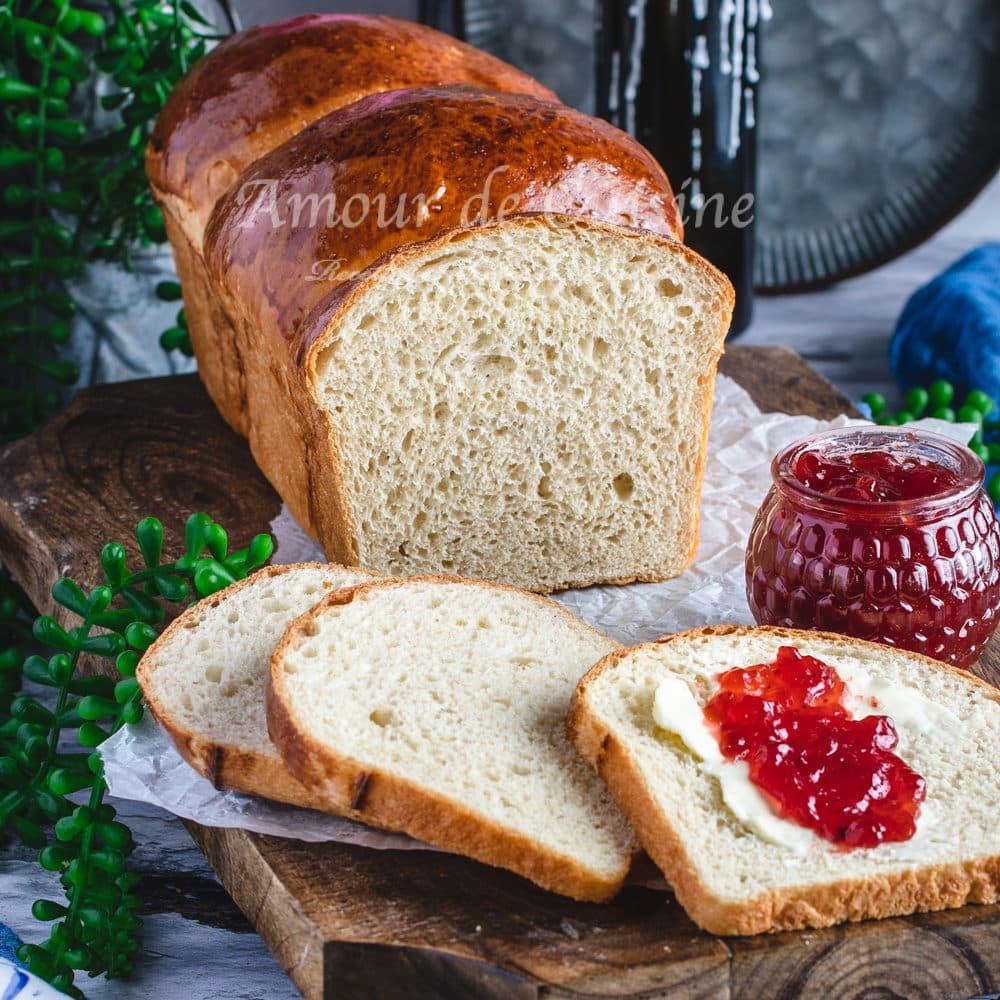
[142, 764]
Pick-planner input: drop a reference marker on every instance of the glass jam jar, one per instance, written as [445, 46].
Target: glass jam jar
[880, 533]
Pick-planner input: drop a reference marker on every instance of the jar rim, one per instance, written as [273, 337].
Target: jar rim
[966, 464]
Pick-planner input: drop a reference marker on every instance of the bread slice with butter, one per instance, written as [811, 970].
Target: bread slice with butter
[738, 871]
[436, 706]
[204, 678]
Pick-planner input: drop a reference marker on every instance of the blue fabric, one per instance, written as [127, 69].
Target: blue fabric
[950, 328]
[9, 943]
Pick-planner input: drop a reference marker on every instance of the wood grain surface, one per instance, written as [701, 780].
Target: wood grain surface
[349, 922]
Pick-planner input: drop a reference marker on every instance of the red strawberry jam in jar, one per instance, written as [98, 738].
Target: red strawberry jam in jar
[879, 533]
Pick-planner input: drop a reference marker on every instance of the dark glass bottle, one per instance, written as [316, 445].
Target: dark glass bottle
[681, 76]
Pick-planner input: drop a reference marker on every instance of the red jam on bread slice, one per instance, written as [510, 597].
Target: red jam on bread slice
[818, 766]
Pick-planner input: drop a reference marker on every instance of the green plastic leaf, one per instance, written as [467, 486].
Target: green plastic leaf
[53, 857]
[103, 687]
[28, 709]
[90, 917]
[108, 644]
[68, 828]
[126, 689]
[116, 836]
[217, 540]
[110, 861]
[70, 595]
[113, 563]
[91, 735]
[149, 533]
[10, 158]
[99, 599]
[127, 662]
[36, 669]
[60, 668]
[259, 551]
[194, 533]
[93, 708]
[116, 619]
[16, 90]
[140, 636]
[52, 806]
[46, 909]
[210, 576]
[132, 712]
[64, 781]
[176, 338]
[168, 291]
[92, 23]
[145, 607]
[171, 586]
[49, 631]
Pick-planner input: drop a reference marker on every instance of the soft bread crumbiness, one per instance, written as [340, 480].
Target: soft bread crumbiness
[253, 92]
[527, 403]
[204, 678]
[436, 707]
[732, 882]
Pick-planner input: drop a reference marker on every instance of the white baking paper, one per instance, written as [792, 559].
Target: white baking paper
[142, 764]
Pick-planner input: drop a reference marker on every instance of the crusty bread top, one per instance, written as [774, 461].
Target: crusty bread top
[454, 157]
[260, 87]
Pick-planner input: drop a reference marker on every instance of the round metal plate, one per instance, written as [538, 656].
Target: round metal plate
[878, 123]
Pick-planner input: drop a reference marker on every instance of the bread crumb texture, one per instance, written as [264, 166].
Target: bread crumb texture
[527, 404]
[208, 673]
[461, 690]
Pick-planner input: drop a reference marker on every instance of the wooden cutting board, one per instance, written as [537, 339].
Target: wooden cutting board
[352, 923]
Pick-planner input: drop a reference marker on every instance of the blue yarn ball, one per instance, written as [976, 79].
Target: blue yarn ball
[950, 328]
[9, 943]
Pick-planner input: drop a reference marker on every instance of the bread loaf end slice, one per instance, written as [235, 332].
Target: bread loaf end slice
[436, 707]
[204, 678]
[728, 878]
[527, 402]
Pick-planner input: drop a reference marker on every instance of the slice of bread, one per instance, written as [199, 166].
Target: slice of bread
[205, 677]
[731, 880]
[436, 706]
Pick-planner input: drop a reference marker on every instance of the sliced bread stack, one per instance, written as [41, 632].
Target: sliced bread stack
[731, 879]
[438, 707]
[435, 707]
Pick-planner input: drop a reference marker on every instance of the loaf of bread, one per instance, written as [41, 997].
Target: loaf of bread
[204, 679]
[729, 877]
[460, 332]
[437, 707]
[254, 91]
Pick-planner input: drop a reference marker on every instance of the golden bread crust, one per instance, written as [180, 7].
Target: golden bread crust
[260, 87]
